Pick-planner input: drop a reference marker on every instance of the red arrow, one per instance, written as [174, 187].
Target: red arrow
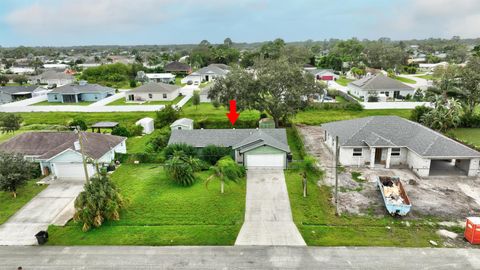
[233, 115]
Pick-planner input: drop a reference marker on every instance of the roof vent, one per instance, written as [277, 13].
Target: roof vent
[76, 145]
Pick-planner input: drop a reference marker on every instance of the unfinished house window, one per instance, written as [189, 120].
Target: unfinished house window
[357, 152]
[396, 152]
[164, 95]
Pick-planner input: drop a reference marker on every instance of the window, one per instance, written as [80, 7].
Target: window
[357, 152]
[164, 95]
[395, 152]
[56, 98]
[150, 96]
[387, 94]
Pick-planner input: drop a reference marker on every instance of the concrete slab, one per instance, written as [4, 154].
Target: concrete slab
[268, 216]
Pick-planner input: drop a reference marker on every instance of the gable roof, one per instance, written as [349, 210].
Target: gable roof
[235, 138]
[81, 88]
[211, 69]
[182, 122]
[394, 131]
[54, 75]
[155, 87]
[17, 89]
[177, 66]
[46, 145]
[320, 71]
[380, 82]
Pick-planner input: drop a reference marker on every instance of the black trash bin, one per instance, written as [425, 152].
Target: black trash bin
[42, 237]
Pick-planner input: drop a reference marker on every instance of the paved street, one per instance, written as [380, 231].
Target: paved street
[268, 217]
[54, 205]
[236, 258]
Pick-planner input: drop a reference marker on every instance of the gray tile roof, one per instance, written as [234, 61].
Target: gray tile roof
[54, 75]
[235, 138]
[211, 69]
[391, 131]
[49, 144]
[380, 82]
[17, 89]
[81, 89]
[177, 66]
[154, 87]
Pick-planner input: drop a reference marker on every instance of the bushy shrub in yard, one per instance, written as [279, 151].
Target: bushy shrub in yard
[186, 149]
[213, 153]
[77, 122]
[157, 143]
[166, 116]
[310, 164]
[417, 113]
[181, 168]
[134, 130]
[470, 121]
[120, 131]
[418, 95]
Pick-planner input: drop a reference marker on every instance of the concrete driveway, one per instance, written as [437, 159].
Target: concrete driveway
[54, 205]
[268, 217]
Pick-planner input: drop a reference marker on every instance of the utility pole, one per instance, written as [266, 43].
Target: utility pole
[337, 150]
[79, 132]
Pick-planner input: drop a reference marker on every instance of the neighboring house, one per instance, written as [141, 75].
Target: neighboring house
[323, 74]
[74, 93]
[59, 154]
[56, 66]
[379, 85]
[208, 73]
[254, 148]
[177, 68]
[183, 123]
[160, 77]
[52, 77]
[88, 65]
[153, 92]
[14, 93]
[387, 141]
[21, 70]
[431, 67]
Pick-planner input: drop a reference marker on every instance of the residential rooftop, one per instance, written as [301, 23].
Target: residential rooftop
[155, 87]
[380, 82]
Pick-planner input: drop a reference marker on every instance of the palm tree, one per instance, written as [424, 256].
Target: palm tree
[226, 169]
[182, 168]
[446, 114]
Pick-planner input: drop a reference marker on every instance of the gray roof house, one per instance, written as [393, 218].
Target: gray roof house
[81, 92]
[266, 148]
[208, 73]
[13, 93]
[59, 154]
[380, 85]
[153, 91]
[53, 77]
[387, 141]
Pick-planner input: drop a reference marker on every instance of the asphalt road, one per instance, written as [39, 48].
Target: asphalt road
[38, 257]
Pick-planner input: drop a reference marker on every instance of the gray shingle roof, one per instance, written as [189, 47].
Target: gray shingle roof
[380, 82]
[54, 75]
[154, 87]
[211, 69]
[236, 138]
[183, 122]
[49, 144]
[80, 89]
[396, 131]
[177, 66]
[17, 89]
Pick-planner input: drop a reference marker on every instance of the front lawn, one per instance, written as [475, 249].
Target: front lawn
[405, 80]
[468, 135]
[122, 102]
[159, 212]
[10, 205]
[426, 77]
[343, 81]
[46, 103]
[139, 144]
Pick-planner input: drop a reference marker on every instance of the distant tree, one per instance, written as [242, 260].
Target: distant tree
[476, 51]
[228, 42]
[4, 80]
[469, 86]
[20, 79]
[133, 83]
[99, 202]
[196, 99]
[216, 104]
[166, 116]
[15, 171]
[10, 122]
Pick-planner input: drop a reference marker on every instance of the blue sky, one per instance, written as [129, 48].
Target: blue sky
[133, 22]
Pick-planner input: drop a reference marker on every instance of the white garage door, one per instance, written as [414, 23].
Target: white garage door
[72, 171]
[265, 161]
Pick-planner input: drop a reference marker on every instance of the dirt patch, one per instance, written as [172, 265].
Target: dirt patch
[446, 198]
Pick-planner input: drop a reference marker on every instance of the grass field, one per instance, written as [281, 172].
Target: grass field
[10, 205]
[46, 103]
[405, 80]
[206, 111]
[343, 81]
[426, 77]
[468, 135]
[159, 212]
[121, 102]
[317, 117]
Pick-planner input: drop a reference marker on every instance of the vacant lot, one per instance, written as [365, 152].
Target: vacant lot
[159, 212]
[468, 135]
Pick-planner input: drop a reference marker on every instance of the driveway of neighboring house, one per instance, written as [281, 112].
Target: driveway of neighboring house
[107, 100]
[54, 205]
[268, 217]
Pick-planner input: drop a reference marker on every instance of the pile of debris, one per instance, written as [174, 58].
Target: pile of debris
[392, 192]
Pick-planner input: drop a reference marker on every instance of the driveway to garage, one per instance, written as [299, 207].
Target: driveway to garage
[54, 205]
[268, 216]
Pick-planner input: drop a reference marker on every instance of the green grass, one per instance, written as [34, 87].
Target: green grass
[468, 135]
[10, 205]
[317, 117]
[139, 144]
[405, 80]
[206, 111]
[340, 99]
[343, 81]
[159, 212]
[46, 103]
[426, 77]
[122, 102]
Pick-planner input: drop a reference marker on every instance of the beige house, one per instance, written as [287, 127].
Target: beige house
[152, 92]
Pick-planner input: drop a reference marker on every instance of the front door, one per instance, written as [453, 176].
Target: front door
[378, 155]
[396, 94]
[131, 97]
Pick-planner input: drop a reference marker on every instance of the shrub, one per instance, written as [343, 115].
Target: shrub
[186, 149]
[181, 168]
[418, 96]
[134, 130]
[133, 84]
[213, 153]
[157, 143]
[470, 121]
[408, 97]
[310, 164]
[120, 131]
[216, 104]
[417, 113]
[77, 122]
[166, 116]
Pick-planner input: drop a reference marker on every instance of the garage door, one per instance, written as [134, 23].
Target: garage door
[72, 171]
[266, 161]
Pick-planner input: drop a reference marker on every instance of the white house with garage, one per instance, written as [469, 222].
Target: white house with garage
[391, 141]
[59, 153]
[253, 148]
[384, 87]
[153, 91]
